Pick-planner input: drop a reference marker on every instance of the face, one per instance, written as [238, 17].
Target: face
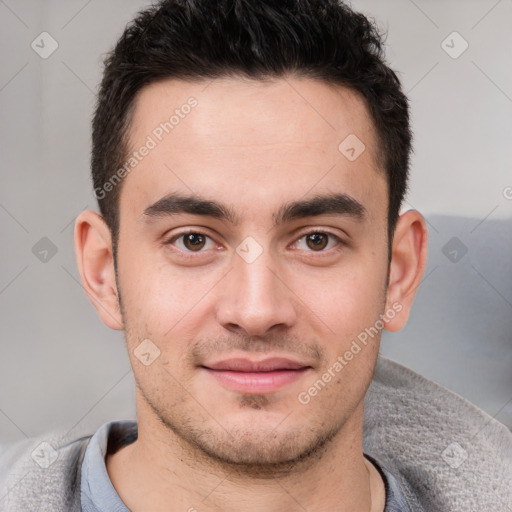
[252, 254]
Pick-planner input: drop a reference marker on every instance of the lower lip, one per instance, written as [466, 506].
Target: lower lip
[256, 382]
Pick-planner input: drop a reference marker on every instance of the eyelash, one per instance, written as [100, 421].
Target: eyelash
[190, 254]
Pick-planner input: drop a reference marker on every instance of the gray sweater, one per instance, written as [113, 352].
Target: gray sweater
[446, 454]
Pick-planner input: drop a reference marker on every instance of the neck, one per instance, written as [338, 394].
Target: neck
[160, 469]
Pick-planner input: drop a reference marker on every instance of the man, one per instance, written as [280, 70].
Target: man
[250, 160]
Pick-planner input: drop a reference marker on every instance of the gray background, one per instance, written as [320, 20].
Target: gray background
[60, 366]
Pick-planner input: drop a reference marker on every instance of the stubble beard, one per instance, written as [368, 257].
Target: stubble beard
[249, 452]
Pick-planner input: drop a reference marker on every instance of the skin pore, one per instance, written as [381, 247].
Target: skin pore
[310, 278]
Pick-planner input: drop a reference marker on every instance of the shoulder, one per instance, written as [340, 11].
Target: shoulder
[42, 473]
[447, 452]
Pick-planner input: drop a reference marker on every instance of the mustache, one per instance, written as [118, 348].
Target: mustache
[206, 349]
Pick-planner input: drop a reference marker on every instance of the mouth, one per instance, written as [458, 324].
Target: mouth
[256, 377]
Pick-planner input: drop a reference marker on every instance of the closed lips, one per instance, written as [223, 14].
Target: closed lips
[245, 365]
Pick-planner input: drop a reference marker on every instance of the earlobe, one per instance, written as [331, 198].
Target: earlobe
[408, 260]
[93, 248]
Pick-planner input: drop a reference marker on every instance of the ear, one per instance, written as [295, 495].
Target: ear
[93, 248]
[408, 260]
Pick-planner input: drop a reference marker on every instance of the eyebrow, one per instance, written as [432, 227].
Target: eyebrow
[333, 204]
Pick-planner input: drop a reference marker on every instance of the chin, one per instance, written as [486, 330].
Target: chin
[265, 451]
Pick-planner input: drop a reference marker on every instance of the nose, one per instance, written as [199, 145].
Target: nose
[256, 298]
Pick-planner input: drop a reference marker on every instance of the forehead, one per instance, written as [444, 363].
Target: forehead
[241, 138]
[298, 108]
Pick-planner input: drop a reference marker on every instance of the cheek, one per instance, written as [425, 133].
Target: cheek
[159, 298]
[353, 299]
[352, 313]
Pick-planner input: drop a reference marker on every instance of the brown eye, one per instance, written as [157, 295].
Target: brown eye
[193, 241]
[317, 241]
